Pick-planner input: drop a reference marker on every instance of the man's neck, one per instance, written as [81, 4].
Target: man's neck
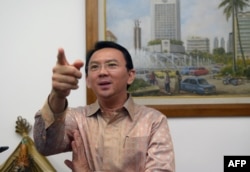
[112, 104]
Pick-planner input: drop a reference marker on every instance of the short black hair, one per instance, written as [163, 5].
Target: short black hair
[109, 44]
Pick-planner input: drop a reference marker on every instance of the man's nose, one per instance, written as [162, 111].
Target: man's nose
[103, 69]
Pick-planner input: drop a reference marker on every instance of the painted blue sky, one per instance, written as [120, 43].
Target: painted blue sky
[198, 18]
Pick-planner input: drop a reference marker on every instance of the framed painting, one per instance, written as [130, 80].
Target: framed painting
[182, 103]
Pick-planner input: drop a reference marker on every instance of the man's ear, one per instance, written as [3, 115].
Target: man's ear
[131, 76]
[87, 82]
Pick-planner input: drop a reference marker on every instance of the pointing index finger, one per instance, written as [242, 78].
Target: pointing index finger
[61, 58]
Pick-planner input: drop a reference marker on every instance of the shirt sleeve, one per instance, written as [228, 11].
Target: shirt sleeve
[161, 151]
[49, 116]
[49, 131]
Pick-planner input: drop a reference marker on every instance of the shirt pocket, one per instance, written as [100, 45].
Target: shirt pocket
[135, 152]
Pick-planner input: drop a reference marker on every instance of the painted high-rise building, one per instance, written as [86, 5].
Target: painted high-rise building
[110, 36]
[137, 35]
[244, 28]
[222, 43]
[165, 19]
[198, 44]
[216, 43]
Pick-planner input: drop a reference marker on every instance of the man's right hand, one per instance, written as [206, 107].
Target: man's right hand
[65, 76]
[64, 79]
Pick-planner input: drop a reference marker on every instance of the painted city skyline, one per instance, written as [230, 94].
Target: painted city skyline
[198, 18]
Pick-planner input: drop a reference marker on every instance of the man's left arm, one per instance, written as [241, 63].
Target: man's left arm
[161, 151]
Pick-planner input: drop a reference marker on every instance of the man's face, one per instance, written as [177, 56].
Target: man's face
[107, 73]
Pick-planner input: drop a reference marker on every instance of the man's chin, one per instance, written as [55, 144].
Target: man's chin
[104, 94]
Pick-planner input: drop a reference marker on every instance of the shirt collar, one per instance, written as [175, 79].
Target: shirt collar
[128, 105]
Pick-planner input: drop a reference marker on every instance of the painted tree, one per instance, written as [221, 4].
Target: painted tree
[231, 8]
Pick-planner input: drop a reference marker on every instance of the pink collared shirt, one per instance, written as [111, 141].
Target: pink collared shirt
[137, 139]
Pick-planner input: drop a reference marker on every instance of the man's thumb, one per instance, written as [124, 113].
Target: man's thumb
[78, 64]
[69, 164]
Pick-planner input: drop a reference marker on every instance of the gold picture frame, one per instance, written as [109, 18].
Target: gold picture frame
[221, 109]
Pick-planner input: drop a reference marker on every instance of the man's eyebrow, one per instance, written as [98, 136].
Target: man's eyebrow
[107, 61]
[112, 60]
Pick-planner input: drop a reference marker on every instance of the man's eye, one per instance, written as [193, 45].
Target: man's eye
[112, 65]
[94, 67]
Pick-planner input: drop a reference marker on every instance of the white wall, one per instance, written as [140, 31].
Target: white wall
[30, 33]
[201, 143]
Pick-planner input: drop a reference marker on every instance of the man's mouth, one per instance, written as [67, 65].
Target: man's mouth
[104, 84]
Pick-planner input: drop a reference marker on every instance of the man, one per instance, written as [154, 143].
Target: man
[167, 83]
[112, 134]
